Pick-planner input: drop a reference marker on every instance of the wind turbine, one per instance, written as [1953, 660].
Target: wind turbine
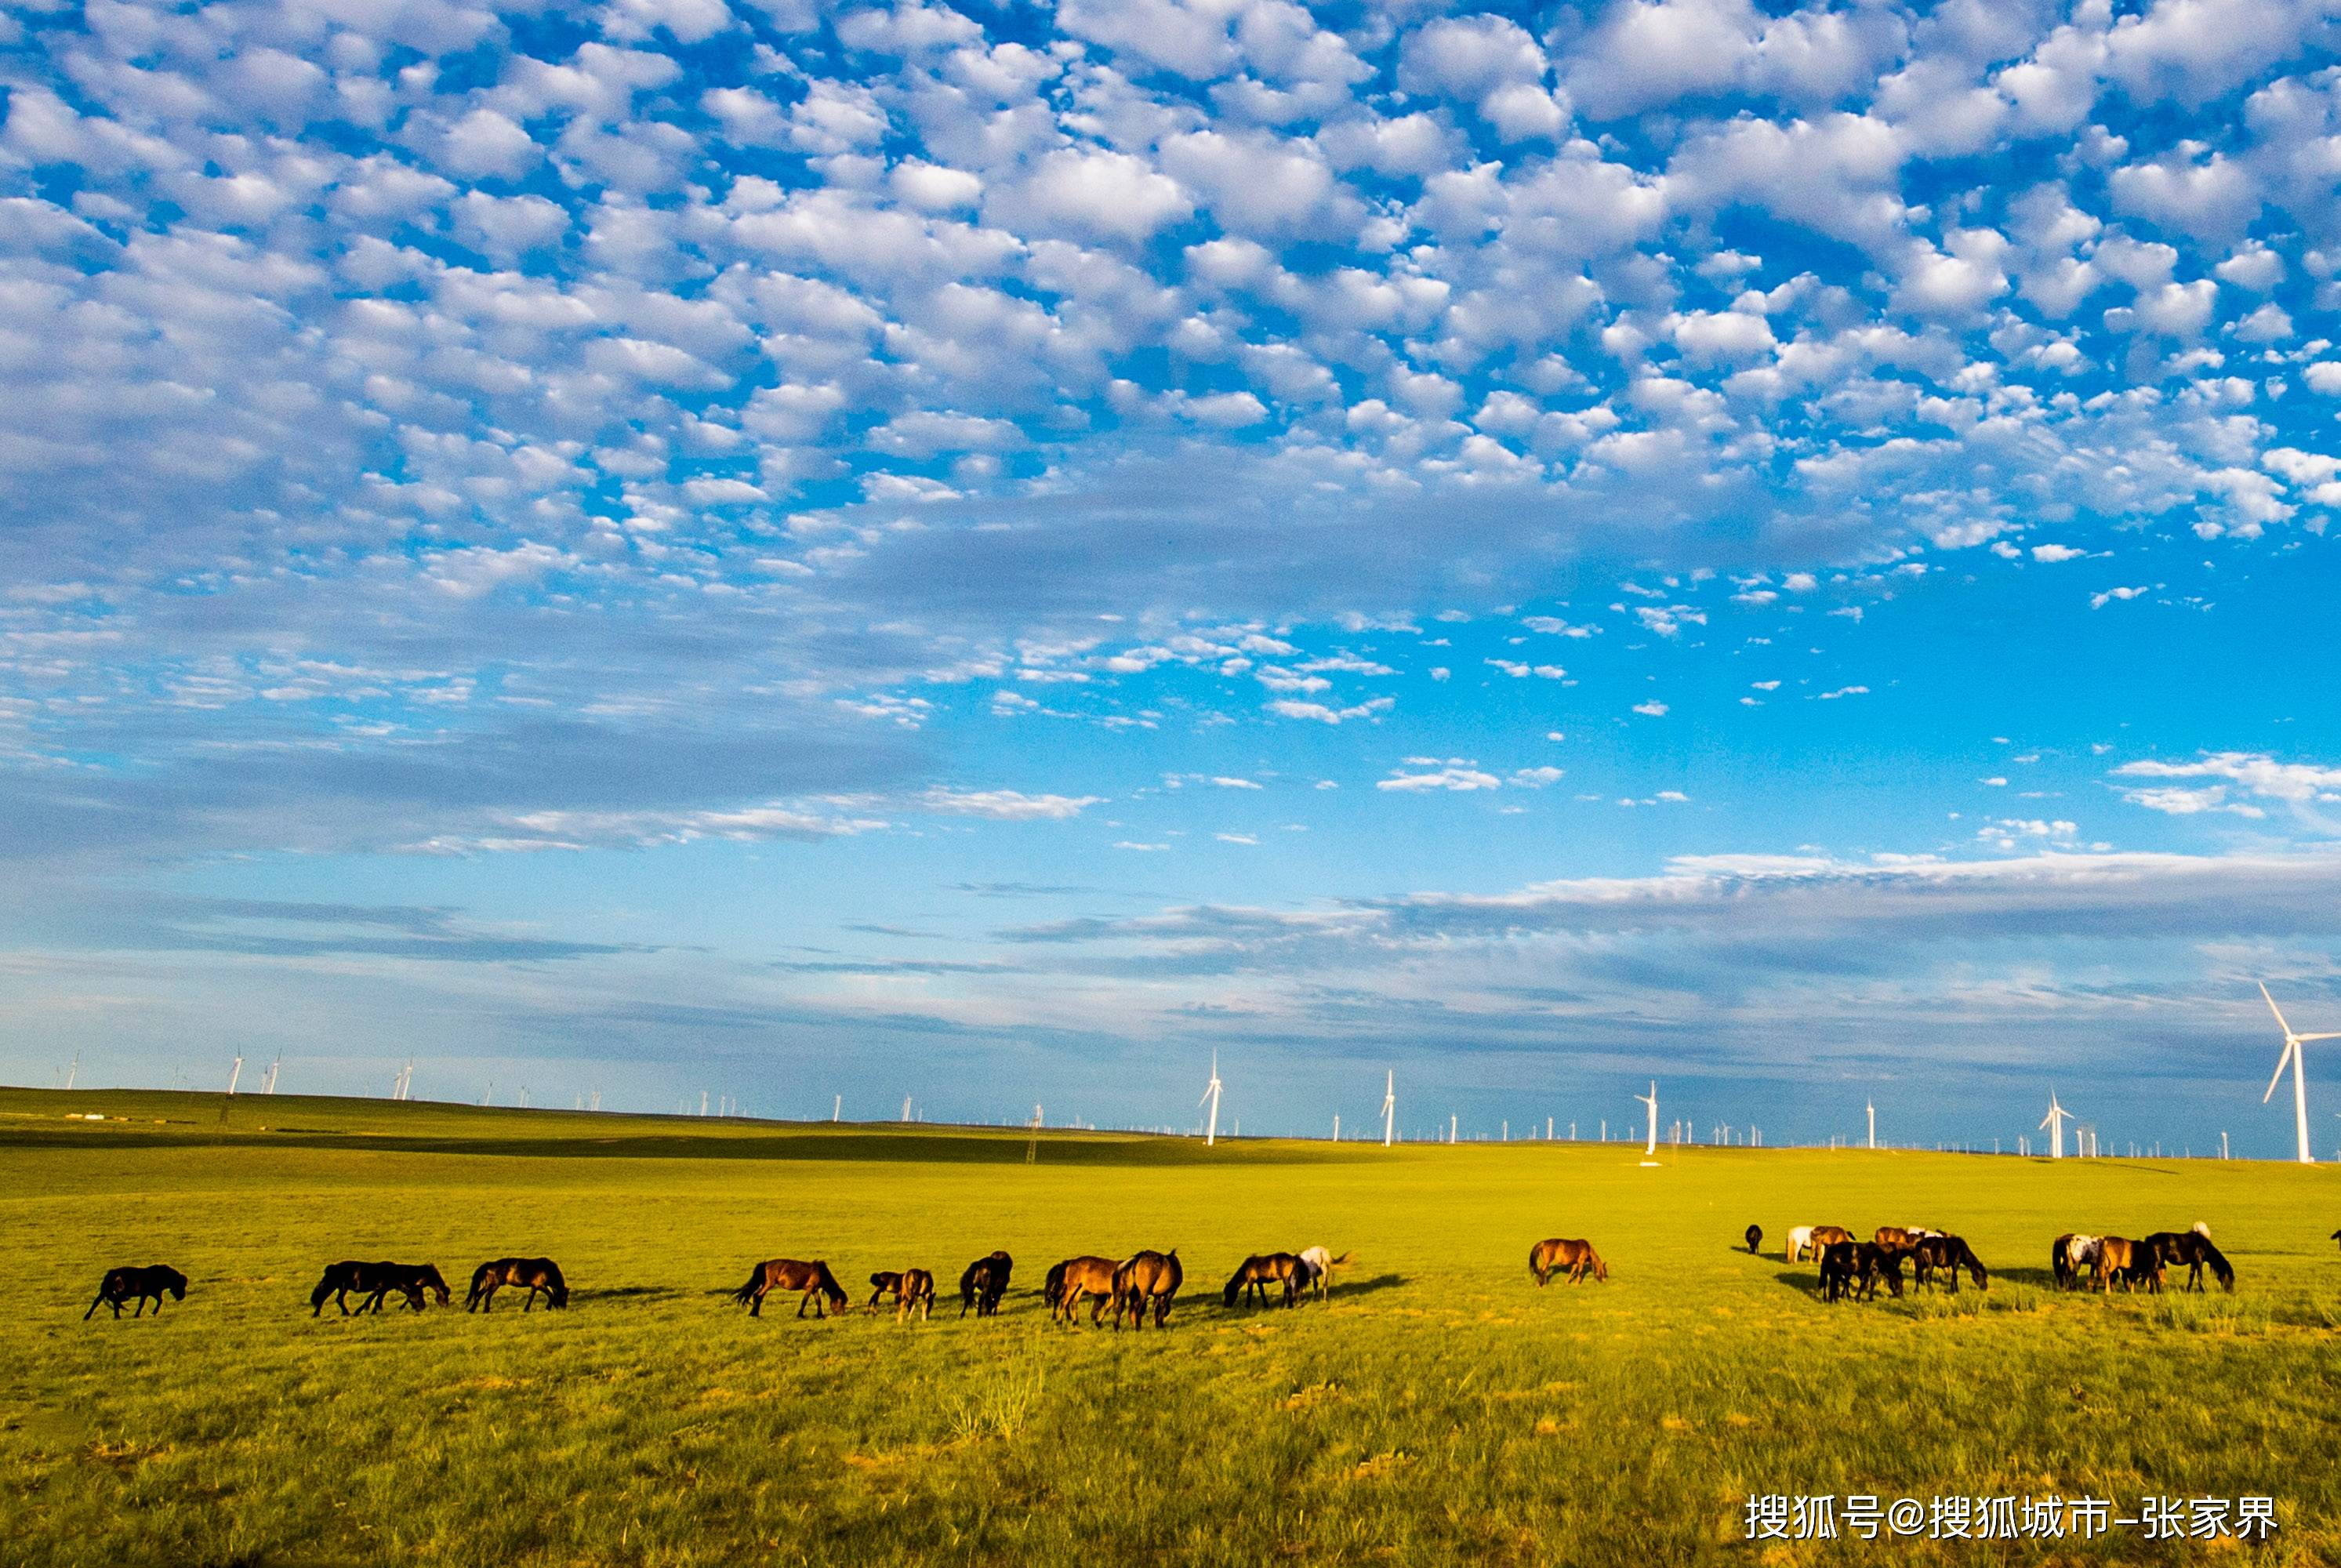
[1211, 1097]
[1871, 1106]
[2292, 1053]
[1651, 1150]
[1390, 1104]
[2055, 1121]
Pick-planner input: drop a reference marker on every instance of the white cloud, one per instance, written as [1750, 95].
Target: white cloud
[1006, 804]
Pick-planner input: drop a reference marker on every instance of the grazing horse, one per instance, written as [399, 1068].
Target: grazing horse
[1950, 1254]
[914, 1292]
[142, 1284]
[2071, 1255]
[2137, 1263]
[537, 1273]
[1149, 1276]
[784, 1274]
[1755, 1239]
[374, 1282]
[1320, 1264]
[1837, 1270]
[983, 1283]
[1259, 1271]
[1871, 1262]
[1052, 1288]
[1577, 1256]
[1088, 1275]
[1824, 1234]
[1800, 1242]
[2335, 1236]
[2194, 1249]
[1897, 1238]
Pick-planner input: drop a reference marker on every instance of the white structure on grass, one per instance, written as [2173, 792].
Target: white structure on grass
[2292, 1055]
[2055, 1121]
[1212, 1098]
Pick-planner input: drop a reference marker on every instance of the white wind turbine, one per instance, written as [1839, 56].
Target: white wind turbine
[2055, 1121]
[1652, 1100]
[1212, 1098]
[2292, 1053]
[1390, 1104]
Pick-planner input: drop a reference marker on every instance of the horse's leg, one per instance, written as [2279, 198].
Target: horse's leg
[93, 1306]
[756, 1304]
[141, 1308]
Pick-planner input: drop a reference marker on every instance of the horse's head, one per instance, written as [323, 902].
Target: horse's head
[176, 1283]
[1600, 1269]
[1228, 1296]
[427, 1279]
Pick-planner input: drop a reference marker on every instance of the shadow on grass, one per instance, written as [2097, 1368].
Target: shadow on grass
[630, 1292]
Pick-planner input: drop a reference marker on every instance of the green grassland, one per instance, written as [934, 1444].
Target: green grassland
[1442, 1409]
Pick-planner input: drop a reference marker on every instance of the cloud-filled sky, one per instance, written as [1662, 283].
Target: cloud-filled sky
[985, 554]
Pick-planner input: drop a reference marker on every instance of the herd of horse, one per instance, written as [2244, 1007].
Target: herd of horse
[1854, 1269]
[1146, 1281]
[1131, 1288]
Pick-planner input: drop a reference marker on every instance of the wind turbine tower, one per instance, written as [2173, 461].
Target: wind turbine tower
[2292, 1055]
[1650, 1149]
[2055, 1121]
[1390, 1104]
[1212, 1098]
[1871, 1106]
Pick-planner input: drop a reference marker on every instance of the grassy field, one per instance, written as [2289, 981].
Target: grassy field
[1442, 1409]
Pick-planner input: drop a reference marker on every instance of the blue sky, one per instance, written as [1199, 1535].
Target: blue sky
[985, 554]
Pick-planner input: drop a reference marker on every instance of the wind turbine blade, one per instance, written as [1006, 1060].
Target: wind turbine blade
[2329, 1035]
[2274, 1009]
[2281, 1063]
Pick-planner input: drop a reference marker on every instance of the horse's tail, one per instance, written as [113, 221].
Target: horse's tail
[1341, 1262]
[479, 1285]
[747, 1293]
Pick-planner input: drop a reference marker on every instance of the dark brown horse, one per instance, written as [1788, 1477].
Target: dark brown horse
[1548, 1257]
[1755, 1239]
[2195, 1250]
[1087, 1275]
[1948, 1254]
[1823, 1235]
[1261, 1270]
[1897, 1238]
[884, 1283]
[141, 1284]
[785, 1274]
[983, 1283]
[375, 1281]
[1148, 1277]
[532, 1274]
[1872, 1262]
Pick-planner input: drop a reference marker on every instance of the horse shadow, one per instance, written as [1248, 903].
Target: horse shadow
[1342, 1290]
[626, 1293]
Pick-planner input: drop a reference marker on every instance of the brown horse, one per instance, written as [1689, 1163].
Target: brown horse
[1261, 1270]
[535, 1273]
[1148, 1277]
[1896, 1238]
[2135, 1262]
[1950, 1254]
[887, 1283]
[142, 1284]
[916, 1293]
[1824, 1235]
[1560, 1252]
[785, 1274]
[374, 1282]
[1087, 1275]
[2195, 1250]
[1755, 1239]
[983, 1283]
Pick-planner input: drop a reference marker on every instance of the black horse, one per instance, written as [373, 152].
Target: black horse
[983, 1282]
[1755, 1239]
[142, 1284]
[1948, 1254]
[375, 1281]
[2195, 1250]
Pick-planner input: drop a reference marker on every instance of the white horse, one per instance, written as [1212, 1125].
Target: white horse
[1800, 1242]
[1319, 1264]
